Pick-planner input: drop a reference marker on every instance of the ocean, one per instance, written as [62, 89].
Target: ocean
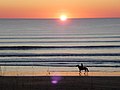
[54, 45]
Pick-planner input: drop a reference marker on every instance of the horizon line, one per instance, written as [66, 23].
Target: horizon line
[68, 18]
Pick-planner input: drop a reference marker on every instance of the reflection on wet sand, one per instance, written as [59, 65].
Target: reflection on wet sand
[20, 73]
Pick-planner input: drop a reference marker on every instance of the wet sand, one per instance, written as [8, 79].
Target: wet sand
[60, 83]
[20, 73]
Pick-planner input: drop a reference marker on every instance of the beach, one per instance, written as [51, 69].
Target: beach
[34, 73]
[60, 83]
[38, 54]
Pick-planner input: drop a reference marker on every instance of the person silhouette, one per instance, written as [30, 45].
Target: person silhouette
[81, 64]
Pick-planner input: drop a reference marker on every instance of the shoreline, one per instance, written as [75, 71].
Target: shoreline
[17, 73]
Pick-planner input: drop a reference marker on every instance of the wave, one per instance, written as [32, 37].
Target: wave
[58, 62]
[58, 54]
[48, 60]
[54, 47]
[78, 60]
[58, 41]
[61, 37]
[54, 64]
[89, 63]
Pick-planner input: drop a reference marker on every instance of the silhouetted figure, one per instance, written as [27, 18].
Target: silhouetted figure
[82, 68]
[81, 64]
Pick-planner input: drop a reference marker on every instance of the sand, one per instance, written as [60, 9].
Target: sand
[60, 83]
[20, 73]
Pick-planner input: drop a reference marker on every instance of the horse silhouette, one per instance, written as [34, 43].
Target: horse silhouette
[82, 68]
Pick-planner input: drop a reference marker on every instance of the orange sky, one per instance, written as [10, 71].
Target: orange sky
[54, 8]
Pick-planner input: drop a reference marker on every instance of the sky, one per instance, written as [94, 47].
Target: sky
[56, 8]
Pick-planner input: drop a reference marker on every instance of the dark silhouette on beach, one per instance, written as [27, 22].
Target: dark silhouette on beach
[82, 68]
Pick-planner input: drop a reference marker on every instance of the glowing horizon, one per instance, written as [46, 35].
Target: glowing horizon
[55, 8]
[63, 17]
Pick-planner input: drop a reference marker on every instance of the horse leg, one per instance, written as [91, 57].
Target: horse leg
[85, 71]
[79, 72]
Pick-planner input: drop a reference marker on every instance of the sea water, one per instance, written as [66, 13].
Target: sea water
[54, 45]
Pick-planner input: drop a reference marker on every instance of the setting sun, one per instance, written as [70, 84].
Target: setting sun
[63, 17]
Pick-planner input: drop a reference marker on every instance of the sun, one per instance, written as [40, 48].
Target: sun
[63, 17]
